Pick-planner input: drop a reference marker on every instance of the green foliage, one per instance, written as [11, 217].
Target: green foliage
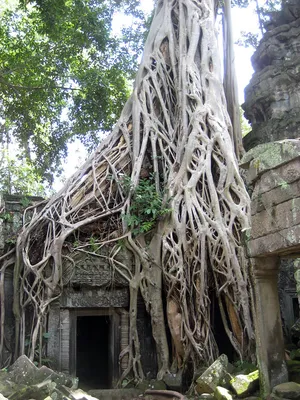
[20, 176]
[25, 202]
[243, 367]
[94, 247]
[246, 127]
[147, 206]
[39, 354]
[248, 39]
[63, 75]
[11, 240]
[7, 216]
[264, 9]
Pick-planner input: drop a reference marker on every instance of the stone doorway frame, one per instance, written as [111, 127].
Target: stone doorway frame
[114, 339]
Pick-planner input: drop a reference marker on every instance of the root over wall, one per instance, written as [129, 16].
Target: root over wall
[175, 128]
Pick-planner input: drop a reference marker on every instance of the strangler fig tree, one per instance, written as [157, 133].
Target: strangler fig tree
[174, 143]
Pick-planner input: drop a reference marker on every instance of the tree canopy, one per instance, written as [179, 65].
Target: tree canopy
[63, 75]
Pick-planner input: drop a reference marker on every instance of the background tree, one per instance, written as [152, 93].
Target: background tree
[63, 75]
[164, 187]
[263, 8]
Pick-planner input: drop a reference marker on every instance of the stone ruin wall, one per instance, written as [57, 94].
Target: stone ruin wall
[273, 107]
[92, 285]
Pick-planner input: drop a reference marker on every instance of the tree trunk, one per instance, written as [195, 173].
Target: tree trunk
[175, 127]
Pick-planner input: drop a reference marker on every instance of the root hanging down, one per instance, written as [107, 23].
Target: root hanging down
[174, 130]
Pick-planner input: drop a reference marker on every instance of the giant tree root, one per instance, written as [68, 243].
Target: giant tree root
[174, 127]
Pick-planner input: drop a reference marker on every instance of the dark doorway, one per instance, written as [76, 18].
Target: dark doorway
[221, 337]
[92, 352]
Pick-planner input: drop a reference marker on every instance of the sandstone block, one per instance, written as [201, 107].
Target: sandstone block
[278, 177]
[174, 381]
[222, 393]
[288, 390]
[211, 378]
[277, 218]
[282, 242]
[23, 371]
[267, 200]
[269, 156]
[243, 385]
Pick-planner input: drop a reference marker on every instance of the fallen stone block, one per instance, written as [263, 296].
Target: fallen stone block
[288, 390]
[243, 385]
[59, 378]
[36, 392]
[22, 371]
[212, 377]
[174, 381]
[221, 393]
[152, 384]
[77, 394]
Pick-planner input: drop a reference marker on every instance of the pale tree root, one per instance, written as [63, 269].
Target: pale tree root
[175, 128]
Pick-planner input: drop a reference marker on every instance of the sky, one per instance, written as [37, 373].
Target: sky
[243, 20]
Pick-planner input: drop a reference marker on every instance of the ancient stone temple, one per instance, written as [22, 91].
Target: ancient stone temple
[273, 172]
[88, 324]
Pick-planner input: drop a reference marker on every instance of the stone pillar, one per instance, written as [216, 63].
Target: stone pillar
[54, 331]
[124, 341]
[269, 336]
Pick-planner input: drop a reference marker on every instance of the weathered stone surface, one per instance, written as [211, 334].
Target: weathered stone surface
[281, 194]
[295, 329]
[36, 392]
[284, 242]
[77, 394]
[288, 390]
[152, 384]
[174, 381]
[221, 393]
[44, 373]
[277, 218]
[269, 336]
[225, 381]
[211, 378]
[243, 385]
[267, 156]
[273, 113]
[273, 107]
[25, 381]
[279, 177]
[23, 371]
[95, 297]
[272, 101]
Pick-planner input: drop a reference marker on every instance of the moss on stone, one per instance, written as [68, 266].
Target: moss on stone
[222, 394]
[244, 384]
